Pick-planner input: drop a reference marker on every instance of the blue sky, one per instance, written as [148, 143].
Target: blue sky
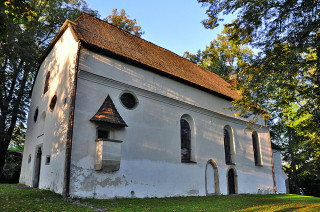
[172, 24]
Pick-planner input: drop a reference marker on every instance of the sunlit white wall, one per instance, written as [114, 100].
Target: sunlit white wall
[50, 129]
[151, 152]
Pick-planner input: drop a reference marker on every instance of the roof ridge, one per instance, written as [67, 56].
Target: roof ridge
[143, 40]
[108, 23]
[103, 37]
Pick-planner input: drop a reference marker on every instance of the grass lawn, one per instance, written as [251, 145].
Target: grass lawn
[15, 197]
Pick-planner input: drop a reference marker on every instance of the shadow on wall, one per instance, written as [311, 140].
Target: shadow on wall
[51, 103]
[128, 72]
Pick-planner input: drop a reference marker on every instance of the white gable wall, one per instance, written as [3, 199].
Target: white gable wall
[50, 129]
[151, 152]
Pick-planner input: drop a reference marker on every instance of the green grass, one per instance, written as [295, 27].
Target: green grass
[21, 198]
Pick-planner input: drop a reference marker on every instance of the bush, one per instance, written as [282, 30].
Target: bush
[12, 167]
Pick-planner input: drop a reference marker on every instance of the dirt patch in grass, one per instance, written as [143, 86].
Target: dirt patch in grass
[15, 197]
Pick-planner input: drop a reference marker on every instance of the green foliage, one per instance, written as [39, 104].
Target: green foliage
[11, 170]
[284, 78]
[224, 55]
[21, 45]
[19, 11]
[17, 138]
[22, 198]
[122, 21]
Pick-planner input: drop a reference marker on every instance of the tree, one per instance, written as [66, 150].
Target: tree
[284, 78]
[122, 21]
[21, 46]
[224, 56]
[19, 11]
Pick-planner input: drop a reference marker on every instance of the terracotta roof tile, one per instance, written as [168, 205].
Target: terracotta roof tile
[109, 114]
[98, 35]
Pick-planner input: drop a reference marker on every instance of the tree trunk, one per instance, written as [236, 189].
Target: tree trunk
[5, 136]
[293, 161]
[3, 150]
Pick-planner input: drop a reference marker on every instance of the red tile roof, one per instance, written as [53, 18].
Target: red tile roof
[109, 114]
[99, 36]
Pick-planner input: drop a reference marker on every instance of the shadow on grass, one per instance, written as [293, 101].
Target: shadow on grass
[15, 197]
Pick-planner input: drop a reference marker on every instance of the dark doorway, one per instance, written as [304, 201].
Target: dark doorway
[231, 183]
[37, 167]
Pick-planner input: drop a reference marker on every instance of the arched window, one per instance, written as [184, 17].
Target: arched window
[185, 141]
[228, 145]
[256, 149]
[227, 148]
[46, 84]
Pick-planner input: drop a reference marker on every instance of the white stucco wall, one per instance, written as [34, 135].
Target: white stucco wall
[50, 129]
[280, 176]
[151, 152]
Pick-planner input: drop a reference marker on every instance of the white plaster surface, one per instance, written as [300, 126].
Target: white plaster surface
[50, 129]
[150, 154]
[280, 176]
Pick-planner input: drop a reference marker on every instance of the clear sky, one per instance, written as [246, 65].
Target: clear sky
[172, 24]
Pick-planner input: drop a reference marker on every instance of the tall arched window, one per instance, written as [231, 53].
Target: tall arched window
[227, 148]
[256, 149]
[46, 84]
[185, 141]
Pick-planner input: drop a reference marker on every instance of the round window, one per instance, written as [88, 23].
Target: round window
[53, 102]
[128, 100]
[35, 117]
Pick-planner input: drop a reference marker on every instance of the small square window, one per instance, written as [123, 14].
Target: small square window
[103, 134]
[48, 160]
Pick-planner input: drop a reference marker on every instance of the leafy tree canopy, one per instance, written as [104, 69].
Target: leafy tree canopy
[19, 11]
[223, 56]
[122, 21]
[21, 45]
[284, 78]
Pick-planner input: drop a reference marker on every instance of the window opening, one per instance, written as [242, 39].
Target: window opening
[103, 134]
[128, 100]
[53, 102]
[227, 147]
[255, 149]
[46, 84]
[48, 160]
[185, 141]
[35, 117]
[29, 158]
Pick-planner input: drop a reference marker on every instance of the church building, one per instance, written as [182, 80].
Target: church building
[113, 115]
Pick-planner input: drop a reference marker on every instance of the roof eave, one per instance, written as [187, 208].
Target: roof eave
[114, 55]
[120, 125]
